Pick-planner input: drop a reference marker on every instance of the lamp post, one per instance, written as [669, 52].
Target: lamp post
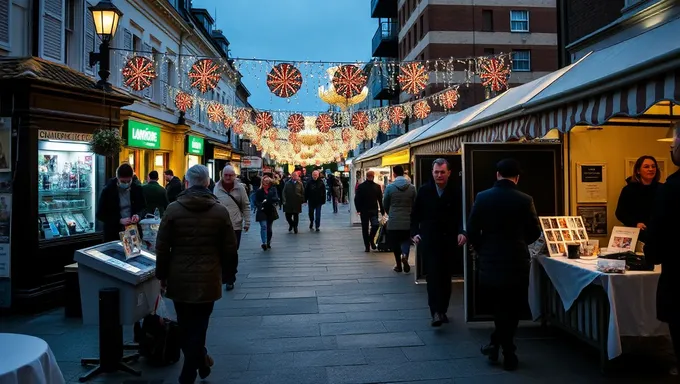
[106, 17]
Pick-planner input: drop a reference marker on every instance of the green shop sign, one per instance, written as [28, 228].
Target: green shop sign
[143, 135]
[194, 145]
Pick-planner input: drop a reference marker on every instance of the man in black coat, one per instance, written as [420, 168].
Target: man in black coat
[661, 248]
[367, 200]
[435, 226]
[503, 222]
[174, 185]
[121, 203]
[315, 196]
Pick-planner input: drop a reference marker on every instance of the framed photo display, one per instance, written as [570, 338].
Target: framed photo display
[562, 230]
[591, 183]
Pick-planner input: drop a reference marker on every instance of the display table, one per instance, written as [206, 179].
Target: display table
[630, 298]
[27, 359]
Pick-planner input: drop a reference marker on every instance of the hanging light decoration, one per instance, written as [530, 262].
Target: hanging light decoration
[215, 112]
[331, 96]
[397, 114]
[449, 99]
[205, 74]
[183, 101]
[324, 122]
[284, 80]
[359, 120]
[138, 73]
[296, 122]
[421, 110]
[310, 135]
[385, 126]
[264, 120]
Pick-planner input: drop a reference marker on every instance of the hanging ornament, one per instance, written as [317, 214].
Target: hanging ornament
[243, 115]
[413, 77]
[273, 135]
[449, 99]
[359, 120]
[296, 122]
[138, 73]
[324, 122]
[346, 135]
[205, 74]
[293, 138]
[228, 122]
[318, 163]
[238, 127]
[297, 147]
[215, 112]
[494, 74]
[284, 80]
[397, 115]
[384, 126]
[264, 120]
[421, 109]
[349, 81]
[183, 101]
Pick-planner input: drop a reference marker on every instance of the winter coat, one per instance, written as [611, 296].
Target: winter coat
[108, 210]
[503, 222]
[398, 202]
[334, 186]
[662, 248]
[195, 242]
[155, 197]
[368, 198]
[174, 188]
[315, 193]
[266, 210]
[293, 196]
[239, 210]
[636, 203]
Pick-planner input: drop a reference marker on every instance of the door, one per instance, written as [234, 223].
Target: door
[542, 178]
[423, 175]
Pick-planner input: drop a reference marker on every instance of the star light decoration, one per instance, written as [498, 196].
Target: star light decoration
[385, 126]
[205, 74]
[449, 99]
[324, 122]
[228, 122]
[494, 74]
[183, 101]
[215, 112]
[359, 120]
[397, 115]
[238, 128]
[413, 78]
[421, 110]
[138, 73]
[243, 115]
[284, 80]
[264, 120]
[296, 122]
[349, 81]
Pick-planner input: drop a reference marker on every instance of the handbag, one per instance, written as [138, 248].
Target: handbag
[159, 336]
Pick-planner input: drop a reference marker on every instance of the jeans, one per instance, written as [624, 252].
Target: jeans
[508, 301]
[266, 231]
[312, 219]
[252, 202]
[293, 219]
[193, 319]
[369, 237]
[229, 277]
[400, 243]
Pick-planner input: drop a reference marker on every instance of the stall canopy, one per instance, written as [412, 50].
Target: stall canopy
[399, 144]
[364, 158]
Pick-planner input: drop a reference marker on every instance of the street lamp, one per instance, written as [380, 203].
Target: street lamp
[106, 17]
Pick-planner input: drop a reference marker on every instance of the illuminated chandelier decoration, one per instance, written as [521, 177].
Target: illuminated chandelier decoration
[310, 135]
[340, 98]
[138, 73]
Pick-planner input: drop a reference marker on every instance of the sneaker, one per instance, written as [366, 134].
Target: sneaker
[490, 351]
[264, 247]
[317, 229]
[396, 268]
[404, 261]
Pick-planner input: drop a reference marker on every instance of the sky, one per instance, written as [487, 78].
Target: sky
[300, 30]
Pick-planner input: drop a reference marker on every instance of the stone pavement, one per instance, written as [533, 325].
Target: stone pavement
[317, 309]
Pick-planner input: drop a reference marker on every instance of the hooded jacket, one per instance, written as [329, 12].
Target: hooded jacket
[239, 210]
[398, 201]
[194, 242]
[636, 203]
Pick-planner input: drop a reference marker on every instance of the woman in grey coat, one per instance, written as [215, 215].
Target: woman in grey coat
[398, 201]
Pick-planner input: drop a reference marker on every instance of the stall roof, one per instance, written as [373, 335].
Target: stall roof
[371, 151]
[404, 140]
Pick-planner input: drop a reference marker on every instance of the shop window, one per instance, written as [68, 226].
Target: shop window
[193, 160]
[521, 61]
[487, 20]
[519, 21]
[160, 164]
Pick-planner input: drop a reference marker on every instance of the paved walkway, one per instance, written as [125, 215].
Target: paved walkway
[316, 309]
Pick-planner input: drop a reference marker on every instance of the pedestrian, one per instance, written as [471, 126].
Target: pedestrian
[154, 194]
[266, 199]
[502, 224]
[232, 194]
[368, 200]
[436, 225]
[661, 248]
[345, 188]
[315, 196]
[121, 203]
[334, 188]
[293, 198]
[279, 184]
[174, 185]
[398, 202]
[195, 242]
[255, 183]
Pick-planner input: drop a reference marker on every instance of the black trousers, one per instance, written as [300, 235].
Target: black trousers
[675, 338]
[193, 319]
[366, 218]
[293, 219]
[508, 301]
[397, 240]
[438, 288]
[229, 276]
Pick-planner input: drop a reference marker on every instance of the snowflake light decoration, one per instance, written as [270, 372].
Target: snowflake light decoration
[205, 74]
[349, 81]
[324, 122]
[215, 112]
[359, 120]
[413, 77]
[264, 120]
[228, 122]
[183, 101]
[138, 73]
[243, 115]
[421, 109]
[449, 99]
[346, 135]
[273, 134]
[238, 128]
[296, 122]
[494, 74]
[284, 80]
[397, 115]
[385, 126]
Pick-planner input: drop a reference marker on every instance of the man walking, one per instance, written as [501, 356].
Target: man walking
[315, 195]
[195, 242]
[232, 194]
[154, 194]
[367, 200]
[174, 185]
[503, 222]
[398, 202]
[293, 198]
[435, 222]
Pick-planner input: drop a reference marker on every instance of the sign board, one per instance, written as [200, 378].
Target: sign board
[397, 158]
[142, 135]
[251, 162]
[195, 145]
[221, 154]
[64, 136]
[235, 157]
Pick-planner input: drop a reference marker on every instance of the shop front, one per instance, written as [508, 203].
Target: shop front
[194, 150]
[146, 147]
[217, 156]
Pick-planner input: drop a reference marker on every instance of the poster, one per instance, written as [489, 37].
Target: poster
[594, 218]
[591, 183]
[559, 231]
[5, 233]
[623, 239]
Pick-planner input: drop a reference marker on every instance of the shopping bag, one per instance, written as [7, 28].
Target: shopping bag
[158, 336]
[149, 226]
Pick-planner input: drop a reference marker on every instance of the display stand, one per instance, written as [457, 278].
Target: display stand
[111, 346]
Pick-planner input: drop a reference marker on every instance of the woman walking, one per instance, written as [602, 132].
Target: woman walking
[266, 199]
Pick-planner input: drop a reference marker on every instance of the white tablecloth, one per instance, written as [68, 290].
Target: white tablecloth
[27, 359]
[632, 296]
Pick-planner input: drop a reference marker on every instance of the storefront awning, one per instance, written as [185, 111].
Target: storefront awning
[401, 142]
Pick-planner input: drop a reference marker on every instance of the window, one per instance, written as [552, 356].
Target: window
[136, 43]
[519, 21]
[422, 26]
[5, 21]
[489, 51]
[487, 20]
[521, 61]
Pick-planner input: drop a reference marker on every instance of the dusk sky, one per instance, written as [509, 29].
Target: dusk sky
[300, 30]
